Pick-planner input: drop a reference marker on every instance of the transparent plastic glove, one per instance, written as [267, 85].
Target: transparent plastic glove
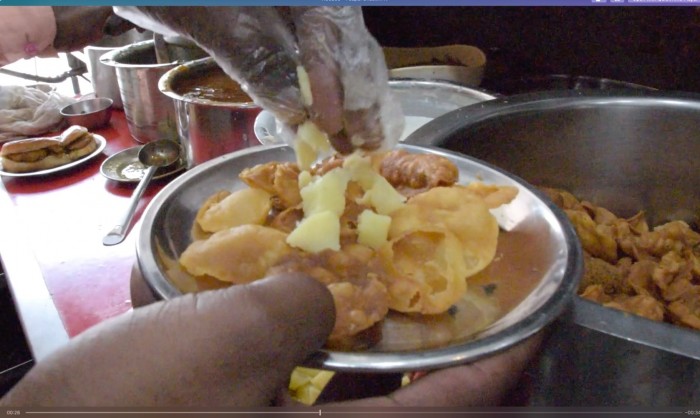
[263, 48]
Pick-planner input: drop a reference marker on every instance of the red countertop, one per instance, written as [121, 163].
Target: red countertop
[61, 218]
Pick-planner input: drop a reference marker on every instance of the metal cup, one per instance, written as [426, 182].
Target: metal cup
[102, 77]
[150, 114]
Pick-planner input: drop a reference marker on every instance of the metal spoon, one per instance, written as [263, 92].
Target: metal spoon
[152, 155]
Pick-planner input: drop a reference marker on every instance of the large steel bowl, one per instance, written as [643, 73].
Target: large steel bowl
[626, 152]
[537, 244]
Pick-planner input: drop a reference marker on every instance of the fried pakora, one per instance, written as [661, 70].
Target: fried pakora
[650, 272]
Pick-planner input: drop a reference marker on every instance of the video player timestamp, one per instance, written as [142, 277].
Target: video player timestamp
[693, 412]
[13, 412]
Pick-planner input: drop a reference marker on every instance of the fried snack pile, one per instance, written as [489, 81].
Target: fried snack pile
[382, 231]
[654, 273]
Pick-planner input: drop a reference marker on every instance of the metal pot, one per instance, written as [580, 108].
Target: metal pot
[208, 128]
[150, 114]
[626, 151]
[102, 77]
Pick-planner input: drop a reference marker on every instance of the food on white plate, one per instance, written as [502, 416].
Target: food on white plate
[35, 154]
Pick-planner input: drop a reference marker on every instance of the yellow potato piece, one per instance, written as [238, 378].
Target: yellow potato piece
[308, 394]
[305, 384]
[318, 232]
[304, 85]
[305, 154]
[245, 206]
[383, 197]
[298, 379]
[326, 193]
[322, 378]
[238, 255]
[361, 171]
[372, 229]
[310, 142]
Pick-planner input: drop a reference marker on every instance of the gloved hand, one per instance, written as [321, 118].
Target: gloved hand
[262, 48]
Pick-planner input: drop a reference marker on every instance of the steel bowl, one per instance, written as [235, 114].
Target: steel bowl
[537, 244]
[103, 78]
[208, 126]
[626, 151]
[90, 113]
[150, 115]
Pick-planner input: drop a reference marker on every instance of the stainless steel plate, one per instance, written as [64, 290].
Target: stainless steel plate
[537, 243]
[125, 167]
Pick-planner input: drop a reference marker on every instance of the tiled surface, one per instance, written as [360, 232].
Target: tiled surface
[15, 357]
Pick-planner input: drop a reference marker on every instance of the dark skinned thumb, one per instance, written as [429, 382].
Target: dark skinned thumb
[234, 346]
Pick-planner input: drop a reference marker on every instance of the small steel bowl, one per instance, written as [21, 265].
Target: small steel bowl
[90, 113]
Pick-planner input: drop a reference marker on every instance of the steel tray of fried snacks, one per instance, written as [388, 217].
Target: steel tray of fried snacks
[629, 152]
[537, 253]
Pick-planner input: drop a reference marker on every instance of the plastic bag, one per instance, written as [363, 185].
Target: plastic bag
[29, 111]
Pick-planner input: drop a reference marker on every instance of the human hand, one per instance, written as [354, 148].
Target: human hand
[79, 26]
[483, 383]
[262, 47]
[230, 347]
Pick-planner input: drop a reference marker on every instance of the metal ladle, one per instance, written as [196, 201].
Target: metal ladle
[152, 155]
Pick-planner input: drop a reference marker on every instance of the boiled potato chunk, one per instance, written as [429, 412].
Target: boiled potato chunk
[318, 232]
[361, 171]
[309, 143]
[246, 206]
[326, 193]
[238, 255]
[308, 394]
[383, 197]
[304, 86]
[322, 378]
[373, 229]
[305, 154]
[298, 380]
[304, 179]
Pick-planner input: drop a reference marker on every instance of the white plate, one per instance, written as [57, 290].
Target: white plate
[101, 144]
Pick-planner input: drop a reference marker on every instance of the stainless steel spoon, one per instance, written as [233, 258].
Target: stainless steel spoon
[152, 155]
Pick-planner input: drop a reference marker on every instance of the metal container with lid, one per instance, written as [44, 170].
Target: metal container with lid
[625, 151]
